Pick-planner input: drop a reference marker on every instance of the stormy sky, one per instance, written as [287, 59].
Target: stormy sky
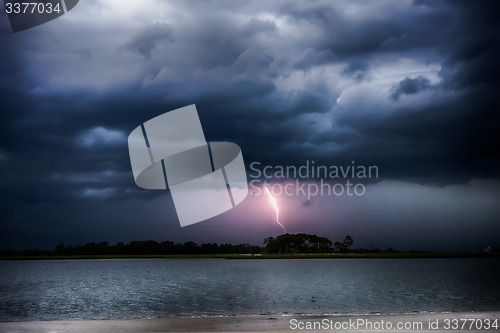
[409, 86]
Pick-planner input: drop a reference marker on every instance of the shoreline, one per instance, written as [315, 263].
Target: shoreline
[423, 322]
[395, 255]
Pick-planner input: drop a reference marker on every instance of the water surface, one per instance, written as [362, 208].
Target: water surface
[110, 289]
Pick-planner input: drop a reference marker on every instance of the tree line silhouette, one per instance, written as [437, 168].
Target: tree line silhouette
[305, 243]
[149, 247]
[282, 244]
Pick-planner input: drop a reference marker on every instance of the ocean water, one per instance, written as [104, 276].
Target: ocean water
[111, 289]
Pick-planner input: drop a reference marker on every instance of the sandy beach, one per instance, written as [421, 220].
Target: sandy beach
[432, 322]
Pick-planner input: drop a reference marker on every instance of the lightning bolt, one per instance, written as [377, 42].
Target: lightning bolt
[275, 205]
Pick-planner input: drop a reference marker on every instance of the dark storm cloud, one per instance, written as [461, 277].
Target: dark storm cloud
[236, 89]
[441, 143]
[356, 69]
[258, 75]
[447, 140]
[420, 27]
[312, 58]
[471, 55]
[410, 86]
[317, 13]
[255, 26]
[146, 40]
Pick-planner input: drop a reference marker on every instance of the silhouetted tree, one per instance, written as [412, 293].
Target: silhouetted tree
[348, 241]
[340, 247]
[297, 243]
